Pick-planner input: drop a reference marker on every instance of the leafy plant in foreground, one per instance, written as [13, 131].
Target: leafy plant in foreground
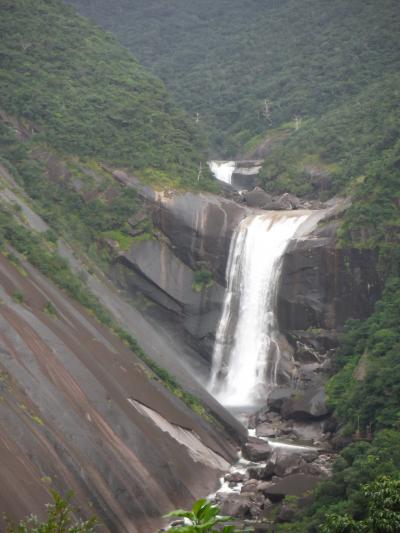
[203, 517]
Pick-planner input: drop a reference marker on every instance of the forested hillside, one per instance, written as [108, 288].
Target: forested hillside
[82, 94]
[224, 59]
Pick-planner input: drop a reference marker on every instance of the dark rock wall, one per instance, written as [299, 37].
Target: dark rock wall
[200, 227]
[152, 271]
[194, 233]
[322, 285]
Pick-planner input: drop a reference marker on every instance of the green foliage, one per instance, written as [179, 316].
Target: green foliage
[332, 64]
[60, 519]
[78, 216]
[123, 240]
[203, 517]
[370, 401]
[73, 87]
[50, 310]
[383, 502]
[376, 398]
[224, 59]
[203, 279]
[18, 297]
[329, 153]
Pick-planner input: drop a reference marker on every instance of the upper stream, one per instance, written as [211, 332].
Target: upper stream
[223, 170]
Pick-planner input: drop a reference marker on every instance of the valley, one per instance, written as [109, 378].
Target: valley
[199, 263]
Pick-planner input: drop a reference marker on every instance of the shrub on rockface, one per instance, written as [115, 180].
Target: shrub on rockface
[60, 519]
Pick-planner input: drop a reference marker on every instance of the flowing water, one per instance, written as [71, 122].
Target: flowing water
[223, 170]
[247, 353]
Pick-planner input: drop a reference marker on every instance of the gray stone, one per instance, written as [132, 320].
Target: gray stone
[289, 201]
[278, 397]
[256, 450]
[242, 505]
[236, 477]
[249, 486]
[310, 404]
[288, 464]
[322, 286]
[293, 485]
[266, 430]
[258, 198]
[262, 472]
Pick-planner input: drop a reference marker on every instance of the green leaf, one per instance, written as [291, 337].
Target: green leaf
[181, 513]
[207, 512]
[199, 505]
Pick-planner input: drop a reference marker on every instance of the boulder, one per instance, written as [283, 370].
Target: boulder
[249, 486]
[242, 505]
[306, 405]
[258, 198]
[293, 485]
[312, 469]
[262, 472]
[288, 464]
[278, 397]
[237, 477]
[256, 450]
[266, 430]
[289, 201]
[138, 217]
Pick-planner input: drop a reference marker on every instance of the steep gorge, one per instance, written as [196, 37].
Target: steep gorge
[109, 396]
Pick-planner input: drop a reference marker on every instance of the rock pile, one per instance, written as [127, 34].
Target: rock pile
[273, 479]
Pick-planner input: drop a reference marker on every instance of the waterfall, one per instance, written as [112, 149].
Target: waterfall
[223, 170]
[247, 353]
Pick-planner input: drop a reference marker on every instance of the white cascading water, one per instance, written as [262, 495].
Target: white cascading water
[223, 170]
[247, 353]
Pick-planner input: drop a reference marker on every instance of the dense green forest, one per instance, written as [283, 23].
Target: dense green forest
[224, 59]
[78, 91]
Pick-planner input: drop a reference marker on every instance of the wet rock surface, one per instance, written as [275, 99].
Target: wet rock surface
[255, 491]
[256, 449]
[322, 285]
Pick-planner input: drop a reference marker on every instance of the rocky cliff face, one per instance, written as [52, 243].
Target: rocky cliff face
[194, 235]
[80, 412]
[322, 285]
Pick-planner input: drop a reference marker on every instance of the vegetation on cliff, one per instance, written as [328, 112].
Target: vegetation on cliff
[365, 396]
[41, 251]
[82, 94]
[60, 519]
